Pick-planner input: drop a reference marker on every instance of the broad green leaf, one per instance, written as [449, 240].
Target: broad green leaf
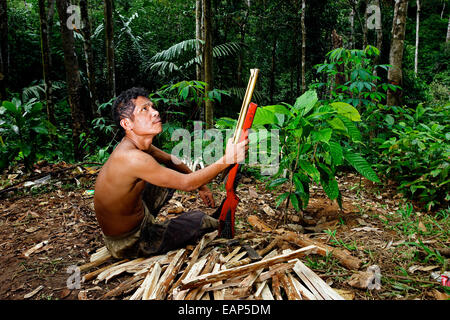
[310, 169]
[281, 198]
[264, 116]
[323, 135]
[330, 187]
[352, 130]
[389, 120]
[277, 182]
[298, 184]
[305, 102]
[346, 110]
[337, 124]
[336, 153]
[361, 165]
[294, 200]
[11, 107]
[40, 129]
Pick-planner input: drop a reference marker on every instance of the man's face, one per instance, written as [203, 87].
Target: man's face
[146, 119]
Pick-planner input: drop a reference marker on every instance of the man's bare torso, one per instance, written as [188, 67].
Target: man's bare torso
[118, 193]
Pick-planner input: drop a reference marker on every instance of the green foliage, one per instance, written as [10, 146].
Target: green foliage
[361, 87]
[416, 152]
[315, 141]
[22, 130]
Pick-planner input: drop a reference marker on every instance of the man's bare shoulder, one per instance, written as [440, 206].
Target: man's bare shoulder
[127, 155]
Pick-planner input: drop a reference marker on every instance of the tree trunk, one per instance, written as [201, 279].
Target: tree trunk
[303, 46]
[208, 63]
[416, 55]
[198, 36]
[364, 27]
[339, 78]
[352, 29]
[448, 31]
[242, 29]
[4, 54]
[109, 34]
[396, 53]
[72, 78]
[89, 56]
[272, 70]
[46, 67]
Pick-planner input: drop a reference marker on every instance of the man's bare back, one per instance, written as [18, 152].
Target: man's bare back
[118, 193]
[135, 161]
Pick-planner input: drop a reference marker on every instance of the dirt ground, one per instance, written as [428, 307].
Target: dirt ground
[59, 214]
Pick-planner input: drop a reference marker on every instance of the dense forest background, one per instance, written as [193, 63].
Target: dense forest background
[63, 62]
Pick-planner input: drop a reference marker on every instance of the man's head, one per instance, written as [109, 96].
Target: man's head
[134, 112]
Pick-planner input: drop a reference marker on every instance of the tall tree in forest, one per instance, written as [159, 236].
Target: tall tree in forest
[4, 55]
[272, 71]
[46, 61]
[416, 55]
[242, 32]
[447, 40]
[303, 46]
[396, 52]
[208, 62]
[109, 34]
[89, 55]
[74, 87]
[198, 36]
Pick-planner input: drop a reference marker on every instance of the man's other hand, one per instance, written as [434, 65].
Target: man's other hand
[206, 196]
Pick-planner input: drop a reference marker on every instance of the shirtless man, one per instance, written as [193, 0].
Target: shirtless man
[138, 178]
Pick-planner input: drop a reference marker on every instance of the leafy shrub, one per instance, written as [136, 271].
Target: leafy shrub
[23, 129]
[415, 152]
[315, 140]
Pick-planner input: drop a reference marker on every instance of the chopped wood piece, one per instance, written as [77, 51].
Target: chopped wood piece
[125, 286]
[261, 252]
[266, 294]
[282, 267]
[288, 287]
[195, 270]
[94, 263]
[207, 238]
[229, 273]
[236, 293]
[95, 273]
[276, 287]
[116, 270]
[343, 256]
[230, 255]
[167, 278]
[197, 293]
[150, 281]
[260, 287]
[235, 258]
[301, 289]
[218, 294]
[100, 254]
[315, 282]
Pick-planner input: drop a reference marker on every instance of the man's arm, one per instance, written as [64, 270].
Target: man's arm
[166, 159]
[145, 167]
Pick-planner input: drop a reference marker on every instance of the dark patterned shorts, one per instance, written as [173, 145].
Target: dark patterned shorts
[151, 237]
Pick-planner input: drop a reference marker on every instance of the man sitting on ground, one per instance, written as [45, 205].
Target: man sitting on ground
[138, 179]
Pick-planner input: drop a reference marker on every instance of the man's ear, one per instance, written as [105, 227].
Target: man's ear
[126, 124]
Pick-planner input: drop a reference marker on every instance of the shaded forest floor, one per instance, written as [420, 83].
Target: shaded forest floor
[410, 247]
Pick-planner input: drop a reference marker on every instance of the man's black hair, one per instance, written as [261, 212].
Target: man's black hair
[123, 106]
